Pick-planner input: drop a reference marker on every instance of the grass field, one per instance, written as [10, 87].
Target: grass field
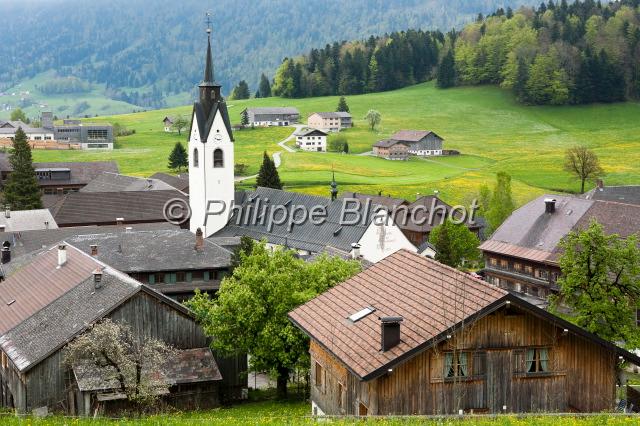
[493, 132]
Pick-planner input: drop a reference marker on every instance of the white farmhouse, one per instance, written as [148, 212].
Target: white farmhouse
[311, 140]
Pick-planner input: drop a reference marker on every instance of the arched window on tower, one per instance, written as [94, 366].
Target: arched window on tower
[218, 158]
[195, 157]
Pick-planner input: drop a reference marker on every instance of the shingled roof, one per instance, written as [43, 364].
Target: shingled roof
[115, 182]
[621, 194]
[96, 208]
[532, 233]
[179, 182]
[412, 135]
[43, 306]
[433, 300]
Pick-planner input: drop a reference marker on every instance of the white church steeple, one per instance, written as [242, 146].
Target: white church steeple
[211, 156]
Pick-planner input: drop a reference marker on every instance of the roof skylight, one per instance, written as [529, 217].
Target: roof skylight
[361, 314]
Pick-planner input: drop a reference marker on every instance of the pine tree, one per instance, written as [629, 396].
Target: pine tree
[178, 157]
[241, 91]
[268, 175]
[244, 118]
[447, 71]
[345, 148]
[342, 105]
[264, 88]
[21, 191]
[520, 85]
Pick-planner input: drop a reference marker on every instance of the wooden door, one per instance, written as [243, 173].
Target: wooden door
[499, 373]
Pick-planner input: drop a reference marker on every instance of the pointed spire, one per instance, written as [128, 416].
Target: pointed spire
[208, 69]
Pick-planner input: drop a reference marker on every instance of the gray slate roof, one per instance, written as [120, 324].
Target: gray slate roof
[179, 182]
[27, 220]
[160, 250]
[307, 236]
[339, 114]
[114, 182]
[273, 110]
[31, 241]
[387, 143]
[620, 194]
[310, 131]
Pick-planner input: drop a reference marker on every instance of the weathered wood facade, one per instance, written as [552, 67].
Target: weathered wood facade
[521, 275]
[51, 384]
[578, 375]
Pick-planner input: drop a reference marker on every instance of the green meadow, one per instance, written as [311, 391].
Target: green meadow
[485, 124]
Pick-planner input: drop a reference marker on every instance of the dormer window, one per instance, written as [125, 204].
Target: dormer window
[195, 157]
[218, 158]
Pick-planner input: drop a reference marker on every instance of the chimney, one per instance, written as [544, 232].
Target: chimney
[199, 240]
[355, 251]
[7, 212]
[600, 184]
[94, 249]
[62, 255]
[549, 205]
[6, 252]
[97, 278]
[119, 220]
[46, 224]
[390, 332]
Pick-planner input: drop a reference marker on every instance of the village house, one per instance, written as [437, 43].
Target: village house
[35, 326]
[272, 116]
[58, 178]
[411, 336]
[390, 149]
[168, 122]
[87, 135]
[26, 220]
[330, 121]
[311, 140]
[628, 194]
[357, 234]
[8, 130]
[523, 253]
[417, 219]
[421, 142]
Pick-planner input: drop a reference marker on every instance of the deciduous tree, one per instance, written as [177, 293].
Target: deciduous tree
[179, 124]
[454, 244]
[501, 204]
[249, 314]
[582, 163]
[134, 362]
[374, 118]
[19, 115]
[600, 282]
[21, 191]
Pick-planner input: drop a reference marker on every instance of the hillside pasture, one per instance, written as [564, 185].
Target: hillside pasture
[491, 130]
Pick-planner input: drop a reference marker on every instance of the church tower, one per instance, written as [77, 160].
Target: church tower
[211, 156]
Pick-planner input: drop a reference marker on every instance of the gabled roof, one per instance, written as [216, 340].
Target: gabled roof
[306, 236]
[94, 208]
[81, 172]
[27, 220]
[530, 232]
[339, 114]
[273, 110]
[381, 200]
[311, 132]
[412, 135]
[388, 143]
[621, 194]
[43, 306]
[205, 123]
[188, 366]
[153, 250]
[114, 182]
[179, 182]
[434, 300]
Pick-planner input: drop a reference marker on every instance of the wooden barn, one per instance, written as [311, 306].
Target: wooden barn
[55, 296]
[412, 336]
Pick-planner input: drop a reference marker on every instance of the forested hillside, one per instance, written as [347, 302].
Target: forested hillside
[557, 53]
[143, 51]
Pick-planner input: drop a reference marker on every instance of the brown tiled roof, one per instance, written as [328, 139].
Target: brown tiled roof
[515, 251]
[412, 135]
[430, 296]
[95, 208]
[20, 298]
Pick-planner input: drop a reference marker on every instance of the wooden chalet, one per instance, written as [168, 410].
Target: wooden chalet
[411, 336]
[56, 296]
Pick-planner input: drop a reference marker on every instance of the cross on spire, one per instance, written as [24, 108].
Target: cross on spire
[208, 22]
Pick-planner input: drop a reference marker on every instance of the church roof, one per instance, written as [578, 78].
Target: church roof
[205, 123]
